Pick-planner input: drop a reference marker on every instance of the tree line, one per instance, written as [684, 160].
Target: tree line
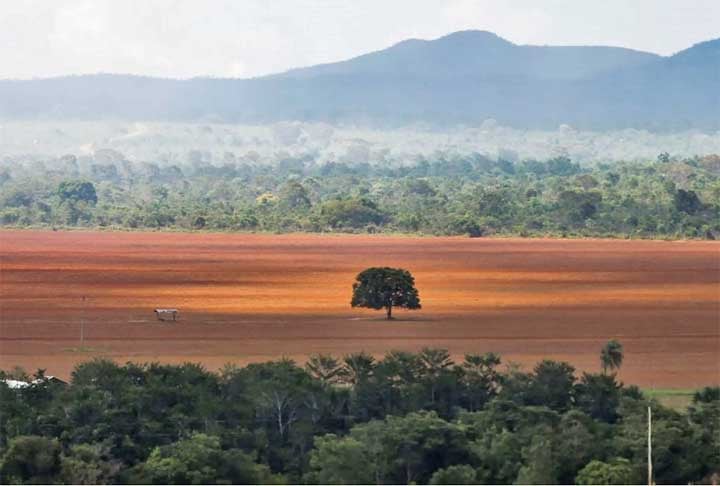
[444, 195]
[404, 418]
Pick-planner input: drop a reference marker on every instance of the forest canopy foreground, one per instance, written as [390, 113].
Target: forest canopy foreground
[403, 419]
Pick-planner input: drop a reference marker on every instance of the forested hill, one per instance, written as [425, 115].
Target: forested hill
[465, 77]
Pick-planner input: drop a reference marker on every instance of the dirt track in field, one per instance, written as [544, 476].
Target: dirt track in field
[257, 297]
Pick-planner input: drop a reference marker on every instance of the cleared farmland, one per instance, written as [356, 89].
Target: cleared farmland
[256, 297]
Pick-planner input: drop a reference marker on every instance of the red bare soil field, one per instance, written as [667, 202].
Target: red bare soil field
[257, 297]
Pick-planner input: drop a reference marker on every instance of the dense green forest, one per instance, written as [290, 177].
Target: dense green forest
[406, 418]
[443, 195]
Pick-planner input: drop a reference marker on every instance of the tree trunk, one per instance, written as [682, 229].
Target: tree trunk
[389, 312]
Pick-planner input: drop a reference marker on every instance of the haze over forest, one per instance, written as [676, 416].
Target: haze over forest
[179, 143]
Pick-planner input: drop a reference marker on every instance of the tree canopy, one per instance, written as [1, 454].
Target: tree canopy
[444, 194]
[401, 418]
[77, 191]
[385, 288]
[611, 356]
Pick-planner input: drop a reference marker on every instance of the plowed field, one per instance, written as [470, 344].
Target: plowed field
[256, 297]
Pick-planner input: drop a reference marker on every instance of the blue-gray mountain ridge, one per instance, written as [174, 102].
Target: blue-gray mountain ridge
[462, 78]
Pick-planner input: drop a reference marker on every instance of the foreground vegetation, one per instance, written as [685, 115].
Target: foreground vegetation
[442, 195]
[407, 418]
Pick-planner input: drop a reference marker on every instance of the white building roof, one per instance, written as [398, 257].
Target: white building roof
[16, 384]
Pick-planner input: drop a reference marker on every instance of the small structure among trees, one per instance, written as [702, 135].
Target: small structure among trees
[40, 378]
[385, 288]
[166, 314]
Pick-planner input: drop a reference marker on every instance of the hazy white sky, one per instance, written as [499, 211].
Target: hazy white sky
[244, 38]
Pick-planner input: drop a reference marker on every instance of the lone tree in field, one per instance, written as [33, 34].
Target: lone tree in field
[611, 356]
[385, 288]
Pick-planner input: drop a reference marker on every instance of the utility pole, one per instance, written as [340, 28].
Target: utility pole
[649, 447]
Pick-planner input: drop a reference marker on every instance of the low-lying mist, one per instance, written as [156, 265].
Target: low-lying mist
[189, 143]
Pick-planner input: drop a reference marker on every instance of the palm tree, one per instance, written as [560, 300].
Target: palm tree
[434, 362]
[611, 356]
[324, 367]
[357, 367]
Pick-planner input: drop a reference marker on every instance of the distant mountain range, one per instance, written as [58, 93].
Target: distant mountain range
[462, 78]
